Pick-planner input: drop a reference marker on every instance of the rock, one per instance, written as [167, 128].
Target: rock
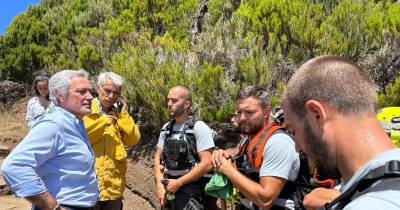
[4, 150]
[4, 189]
[11, 92]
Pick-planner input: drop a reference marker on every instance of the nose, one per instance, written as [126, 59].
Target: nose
[169, 104]
[240, 117]
[89, 95]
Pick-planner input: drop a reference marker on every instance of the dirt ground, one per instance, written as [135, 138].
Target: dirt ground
[138, 193]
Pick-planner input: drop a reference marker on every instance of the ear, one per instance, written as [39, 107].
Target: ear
[59, 96]
[316, 112]
[187, 104]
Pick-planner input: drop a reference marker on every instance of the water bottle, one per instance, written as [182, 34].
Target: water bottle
[170, 196]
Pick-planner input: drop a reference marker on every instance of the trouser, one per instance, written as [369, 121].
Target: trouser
[188, 195]
[67, 207]
[108, 205]
[192, 197]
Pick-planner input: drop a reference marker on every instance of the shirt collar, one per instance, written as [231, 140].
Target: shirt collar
[68, 114]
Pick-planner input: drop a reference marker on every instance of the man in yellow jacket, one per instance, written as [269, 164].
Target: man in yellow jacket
[110, 129]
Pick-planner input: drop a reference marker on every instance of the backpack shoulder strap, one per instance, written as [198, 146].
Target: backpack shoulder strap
[188, 127]
[391, 170]
[188, 134]
[169, 128]
[256, 146]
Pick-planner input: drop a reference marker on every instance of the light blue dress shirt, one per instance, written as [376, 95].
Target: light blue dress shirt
[55, 156]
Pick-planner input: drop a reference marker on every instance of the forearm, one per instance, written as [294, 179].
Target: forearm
[196, 173]
[129, 129]
[263, 197]
[319, 197]
[44, 201]
[158, 175]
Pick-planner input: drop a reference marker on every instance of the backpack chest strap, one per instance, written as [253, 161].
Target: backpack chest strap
[388, 175]
[257, 144]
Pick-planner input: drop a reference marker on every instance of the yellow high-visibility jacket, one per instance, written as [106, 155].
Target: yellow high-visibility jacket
[108, 143]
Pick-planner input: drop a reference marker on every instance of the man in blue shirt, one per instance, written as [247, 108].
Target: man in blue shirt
[53, 166]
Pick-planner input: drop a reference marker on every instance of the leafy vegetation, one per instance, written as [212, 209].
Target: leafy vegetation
[214, 47]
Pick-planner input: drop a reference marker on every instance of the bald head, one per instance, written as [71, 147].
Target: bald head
[184, 92]
[334, 80]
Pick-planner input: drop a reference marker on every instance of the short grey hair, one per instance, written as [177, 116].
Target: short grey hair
[115, 78]
[335, 80]
[61, 81]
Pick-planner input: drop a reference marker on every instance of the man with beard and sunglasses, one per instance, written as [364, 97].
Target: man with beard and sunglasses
[275, 163]
[329, 106]
[183, 156]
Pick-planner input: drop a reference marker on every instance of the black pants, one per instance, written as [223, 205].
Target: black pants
[184, 194]
[108, 205]
[194, 190]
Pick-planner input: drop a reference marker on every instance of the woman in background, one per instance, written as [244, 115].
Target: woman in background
[40, 104]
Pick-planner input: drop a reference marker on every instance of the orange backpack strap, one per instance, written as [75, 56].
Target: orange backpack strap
[257, 144]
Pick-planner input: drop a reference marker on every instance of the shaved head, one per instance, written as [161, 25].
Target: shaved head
[184, 92]
[334, 80]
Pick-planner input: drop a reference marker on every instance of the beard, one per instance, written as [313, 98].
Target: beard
[251, 127]
[177, 112]
[319, 154]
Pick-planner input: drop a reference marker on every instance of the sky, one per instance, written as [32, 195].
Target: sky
[11, 8]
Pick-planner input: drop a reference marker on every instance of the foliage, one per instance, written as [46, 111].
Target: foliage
[392, 96]
[238, 43]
